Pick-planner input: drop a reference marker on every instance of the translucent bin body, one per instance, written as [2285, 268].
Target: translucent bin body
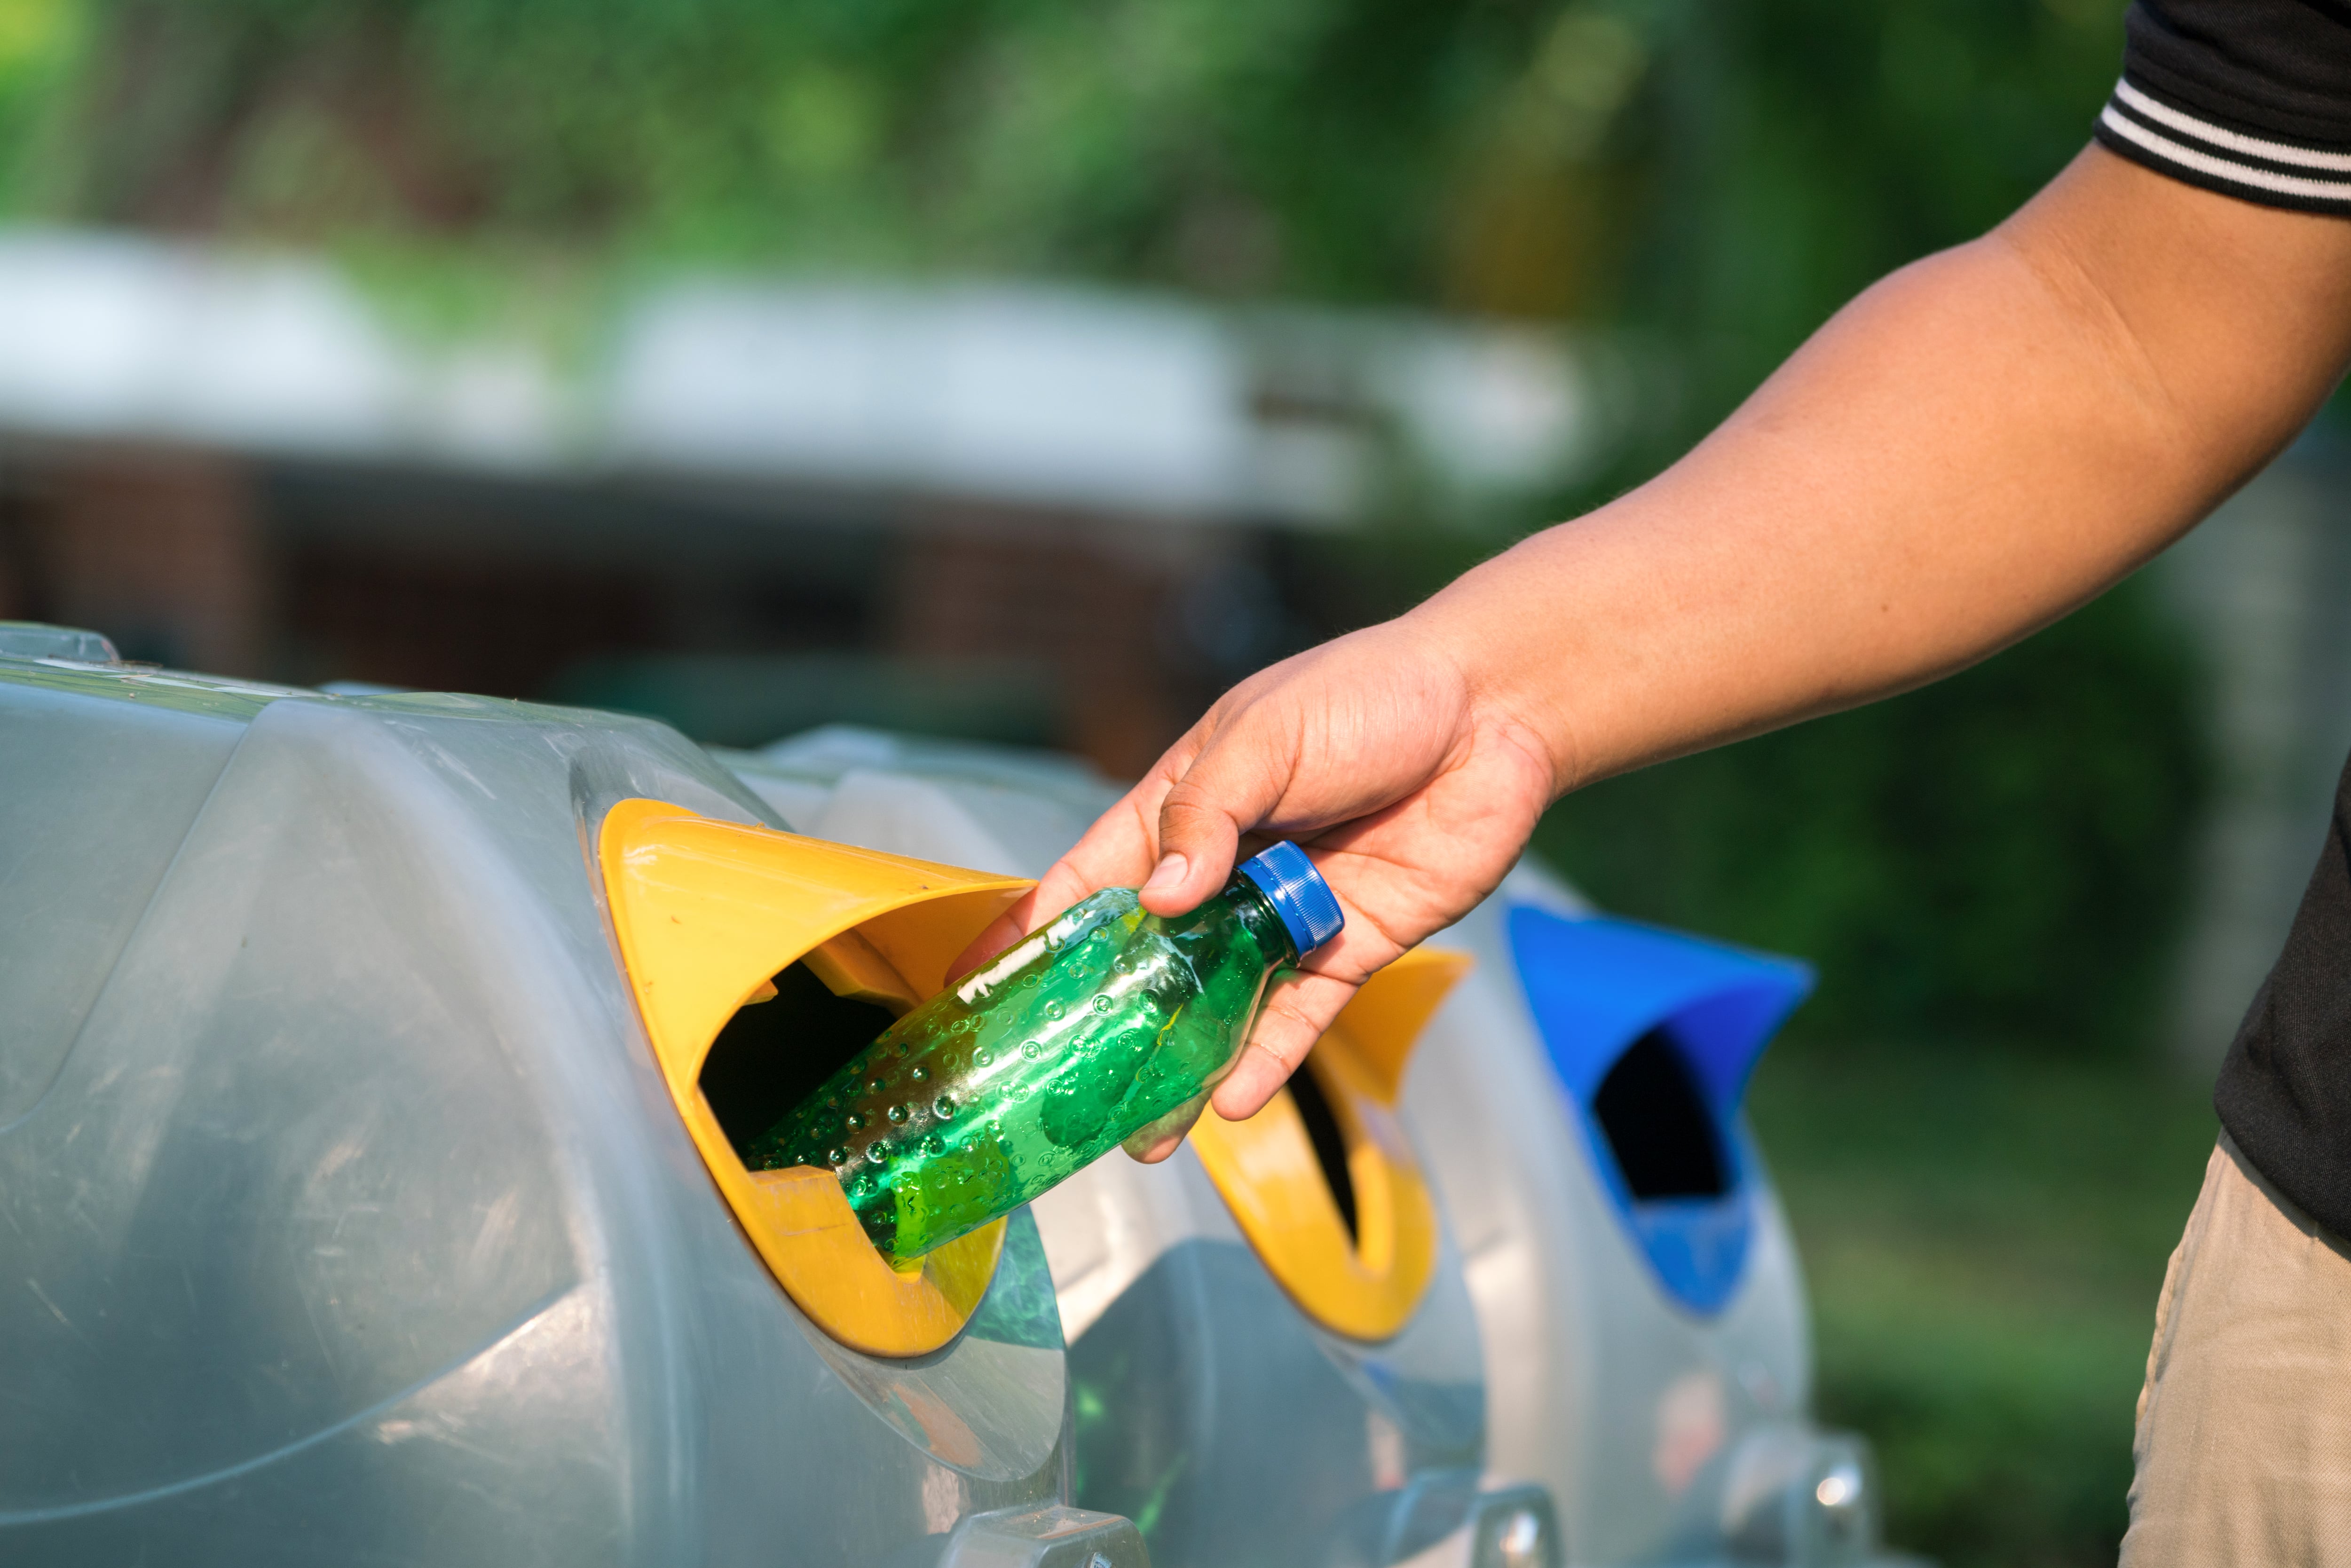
[352, 1218]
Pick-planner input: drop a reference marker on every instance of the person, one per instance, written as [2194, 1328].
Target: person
[1973, 447]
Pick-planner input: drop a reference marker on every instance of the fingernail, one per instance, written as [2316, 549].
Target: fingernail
[1168, 874]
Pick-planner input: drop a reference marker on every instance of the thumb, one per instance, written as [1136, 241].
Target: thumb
[1232, 785]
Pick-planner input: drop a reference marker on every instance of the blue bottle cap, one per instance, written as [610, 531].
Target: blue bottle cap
[1298, 893]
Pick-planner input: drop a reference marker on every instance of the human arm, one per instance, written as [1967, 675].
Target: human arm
[1976, 446]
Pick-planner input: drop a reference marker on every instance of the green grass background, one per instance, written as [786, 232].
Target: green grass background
[1984, 1232]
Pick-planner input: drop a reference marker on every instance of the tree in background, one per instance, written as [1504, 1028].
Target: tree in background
[1732, 170]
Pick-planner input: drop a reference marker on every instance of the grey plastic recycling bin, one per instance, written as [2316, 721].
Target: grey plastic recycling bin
[352, 1219]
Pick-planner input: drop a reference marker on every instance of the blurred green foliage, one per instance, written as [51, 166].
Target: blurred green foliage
[1984, 1233]
[1281, 144]
[1796, 151]
[1725, 172]
[39, 46]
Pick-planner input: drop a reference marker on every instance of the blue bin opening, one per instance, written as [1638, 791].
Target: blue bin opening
[1653, 1034]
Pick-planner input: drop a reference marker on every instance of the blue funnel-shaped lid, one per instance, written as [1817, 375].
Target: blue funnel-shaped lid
[1595, 987]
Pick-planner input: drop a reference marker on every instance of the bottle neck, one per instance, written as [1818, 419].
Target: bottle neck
[1257, 914]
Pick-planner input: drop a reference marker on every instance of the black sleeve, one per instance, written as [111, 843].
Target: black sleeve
[2249, 98]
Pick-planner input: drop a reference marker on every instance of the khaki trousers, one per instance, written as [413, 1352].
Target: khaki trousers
[2242, 1454]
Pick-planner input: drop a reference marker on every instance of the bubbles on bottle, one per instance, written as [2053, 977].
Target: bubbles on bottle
[1032, 1050]
[875, 1154]
[1054, 1011]
[935, 1144]
[1122, 963]
[852, 1121]
[918, 1074]
[1052, 940]
[983, 1057]
[876, 1085]
[944, 1107]
[836, 1156]
[1101, 1002]
[897, 1114]
[833, 1102]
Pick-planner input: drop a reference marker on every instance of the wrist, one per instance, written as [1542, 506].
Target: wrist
[1494, 636]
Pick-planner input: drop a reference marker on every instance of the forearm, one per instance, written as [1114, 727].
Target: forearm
[1972, 448]
[1976, 446]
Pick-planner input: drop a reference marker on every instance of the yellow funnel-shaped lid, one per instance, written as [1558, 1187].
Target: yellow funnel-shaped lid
[706, 913]
[1365, 1285]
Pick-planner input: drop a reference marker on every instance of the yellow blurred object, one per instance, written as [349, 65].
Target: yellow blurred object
[706, 912]
[1368, 1285]
[1384, 1021]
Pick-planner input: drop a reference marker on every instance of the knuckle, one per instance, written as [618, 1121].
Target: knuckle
[1190, 816]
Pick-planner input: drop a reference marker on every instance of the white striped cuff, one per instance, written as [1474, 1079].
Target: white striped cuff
[2190, 148]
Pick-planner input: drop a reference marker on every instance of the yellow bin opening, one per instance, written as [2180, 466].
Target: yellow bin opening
[706, 913]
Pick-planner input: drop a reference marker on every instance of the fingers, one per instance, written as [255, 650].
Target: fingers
[1323, 738]
[1369, 747]
[1118, 850]
[1159, 1150]
[1295, 1014]
[1153, 1143]
[1000, 932]
[1235, 782]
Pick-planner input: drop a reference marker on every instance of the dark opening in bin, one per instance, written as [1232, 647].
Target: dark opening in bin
[1330, 1142]
[1649, 1109]
[773, 1054]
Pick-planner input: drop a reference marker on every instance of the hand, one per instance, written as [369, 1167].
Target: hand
[1413, 794]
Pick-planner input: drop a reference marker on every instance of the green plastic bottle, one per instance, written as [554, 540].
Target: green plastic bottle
[1102, 1027]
